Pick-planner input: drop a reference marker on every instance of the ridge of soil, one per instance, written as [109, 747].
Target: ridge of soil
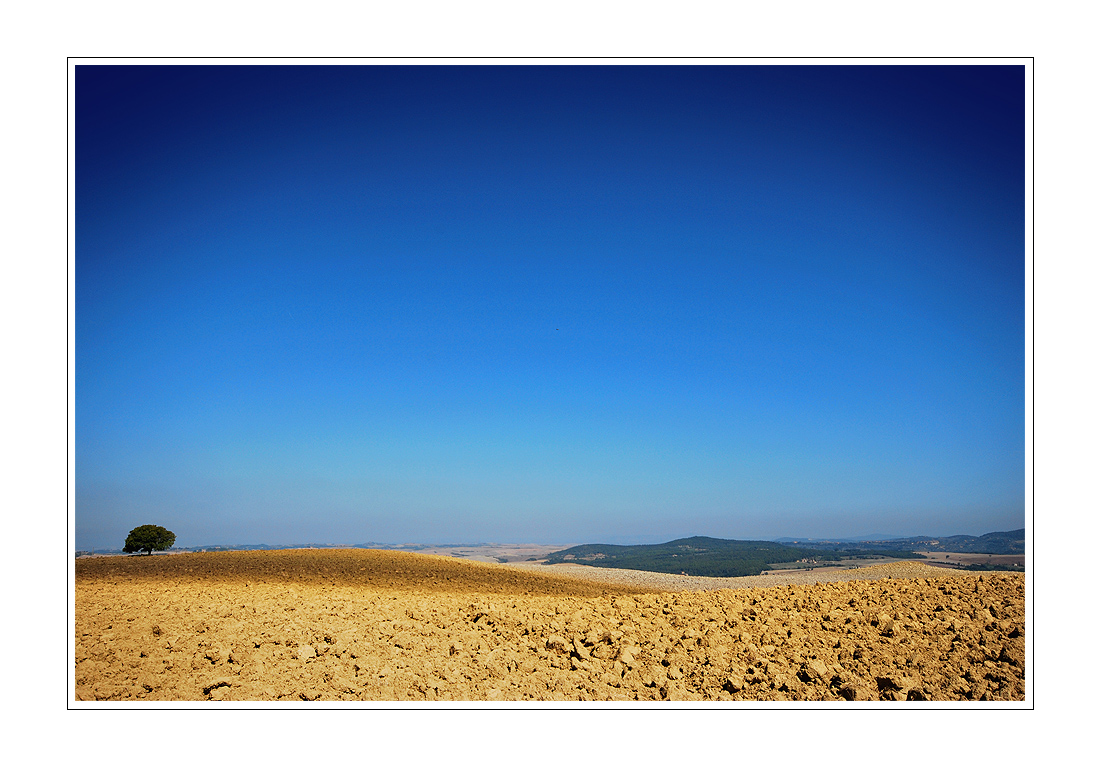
[375, 625]
[367, 568]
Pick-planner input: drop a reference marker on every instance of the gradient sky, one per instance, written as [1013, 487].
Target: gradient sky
[548, 304]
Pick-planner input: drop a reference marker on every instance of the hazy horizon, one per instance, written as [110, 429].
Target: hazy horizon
[621, 540]
[611, 304]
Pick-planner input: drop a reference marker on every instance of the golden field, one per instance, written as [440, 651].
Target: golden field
[367, 625]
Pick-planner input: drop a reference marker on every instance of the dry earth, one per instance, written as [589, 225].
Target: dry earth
[495, 553]
[384, 626]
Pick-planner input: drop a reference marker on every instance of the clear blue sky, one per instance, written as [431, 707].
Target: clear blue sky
[548, 304]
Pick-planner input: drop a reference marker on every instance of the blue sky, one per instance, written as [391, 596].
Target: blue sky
[548, 304]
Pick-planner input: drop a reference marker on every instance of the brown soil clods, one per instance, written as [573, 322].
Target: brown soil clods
[385, 626]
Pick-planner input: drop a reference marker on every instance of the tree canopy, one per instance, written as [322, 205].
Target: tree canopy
[146, 538]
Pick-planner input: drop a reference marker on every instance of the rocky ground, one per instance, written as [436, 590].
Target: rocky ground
[389, 626]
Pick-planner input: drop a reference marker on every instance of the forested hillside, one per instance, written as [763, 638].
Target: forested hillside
[704, 556]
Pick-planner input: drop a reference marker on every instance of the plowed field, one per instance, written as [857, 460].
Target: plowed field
[390, 626]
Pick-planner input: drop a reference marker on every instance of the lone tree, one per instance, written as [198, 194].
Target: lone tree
[146, 538]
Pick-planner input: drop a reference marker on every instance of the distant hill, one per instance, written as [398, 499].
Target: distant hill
[704, 556]
[996, 543]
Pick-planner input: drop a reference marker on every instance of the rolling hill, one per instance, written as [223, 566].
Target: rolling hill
[995, 543]
[705, 556]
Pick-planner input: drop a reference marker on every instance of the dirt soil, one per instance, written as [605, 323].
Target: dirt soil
[496, 553]
[371, 625]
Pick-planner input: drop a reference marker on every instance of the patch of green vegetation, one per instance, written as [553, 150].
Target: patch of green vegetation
[704, 556]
